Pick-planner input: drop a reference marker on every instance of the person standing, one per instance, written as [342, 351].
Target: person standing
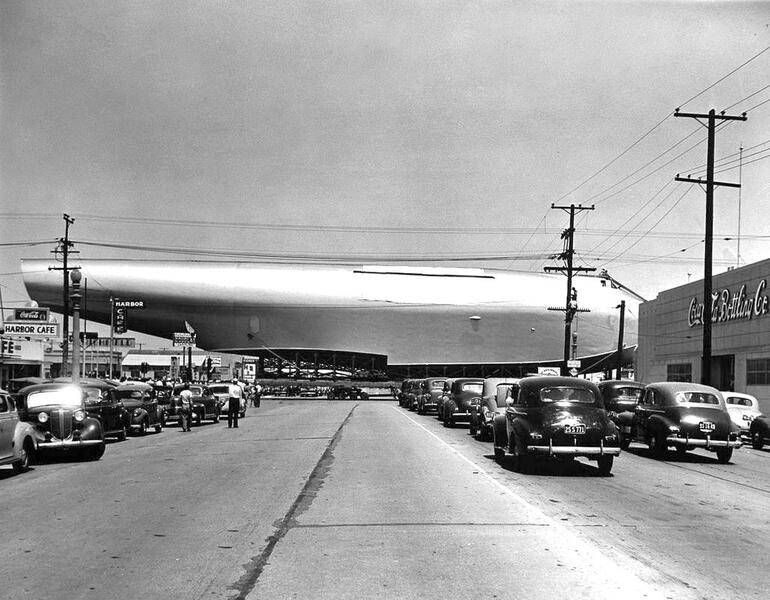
[256, 398]
[234, 404]
[185, 407]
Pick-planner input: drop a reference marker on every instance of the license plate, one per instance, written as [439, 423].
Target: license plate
[747, 417]
[575, 429]
[707, 426]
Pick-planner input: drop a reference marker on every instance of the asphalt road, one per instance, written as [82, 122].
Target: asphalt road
[317, 499]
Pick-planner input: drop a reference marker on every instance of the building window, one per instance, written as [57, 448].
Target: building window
[758, 371]
[679, 372]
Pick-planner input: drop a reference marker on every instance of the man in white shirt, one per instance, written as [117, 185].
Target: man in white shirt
[234, 404]
[185, 407]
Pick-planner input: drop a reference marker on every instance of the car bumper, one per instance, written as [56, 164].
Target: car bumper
[429, 406]
[701, 443]
[461, 416]
[575, 450]
[65, 444]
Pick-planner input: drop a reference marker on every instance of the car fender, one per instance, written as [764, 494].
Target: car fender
[23, 432]
[760, 424]
[659, 423]
[92, 429]
[137, 418]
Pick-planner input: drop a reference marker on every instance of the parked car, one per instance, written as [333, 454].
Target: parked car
[760, 432]
[561, 417]
[743, 409]
[346, 392]
[431, 388]
[441, 398]
[141, 404]
[206, 404]
[18, 444]
[620, 398]
[402, 394]
[102, 403]
[221, 393]
[413, 393]
[61, 422]
[457, 405]
[491, 402]
[685, 416]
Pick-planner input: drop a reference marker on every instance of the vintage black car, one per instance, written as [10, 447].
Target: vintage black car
[205, 404]
[347, 392]
[413, 393]
[431, 389]
[760, 432]
[620, 398]
[491, 402]
[685, 416]
[457, 404]
[141, 404]
[441, 398]
[102, 404]
[403, 394]
[61, 421]
[560, 417]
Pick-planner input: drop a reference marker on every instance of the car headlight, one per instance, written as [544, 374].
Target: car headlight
[42, 417]
[79, 415]
[673, 428]
[536, 436]
[611, 437]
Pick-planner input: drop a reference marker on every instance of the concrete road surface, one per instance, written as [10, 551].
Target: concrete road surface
[317, 499]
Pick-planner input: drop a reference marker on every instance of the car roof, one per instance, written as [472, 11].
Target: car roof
[543, 380]
[613, 383]
[135, 385]
[682, 386]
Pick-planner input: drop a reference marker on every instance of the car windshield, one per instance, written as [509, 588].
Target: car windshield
[437, 385]
[219, 389]
[94, 395]
[66, 396]
[696, 398]
[473, 387]
[739, 401]
[628, 394]
[567, 394]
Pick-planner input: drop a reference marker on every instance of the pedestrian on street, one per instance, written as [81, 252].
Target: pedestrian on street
[234, 404]
[185, 407]
[257, 394]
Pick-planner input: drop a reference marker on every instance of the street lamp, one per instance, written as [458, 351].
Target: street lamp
[75, 276]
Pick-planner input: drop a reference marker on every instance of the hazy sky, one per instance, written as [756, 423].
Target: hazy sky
[415, 129]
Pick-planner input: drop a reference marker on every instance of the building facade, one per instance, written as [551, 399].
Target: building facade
[671, 333]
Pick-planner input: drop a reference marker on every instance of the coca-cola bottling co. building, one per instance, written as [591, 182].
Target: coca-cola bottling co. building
[671, 333]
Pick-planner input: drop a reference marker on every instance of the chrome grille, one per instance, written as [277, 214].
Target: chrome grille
[61, 424]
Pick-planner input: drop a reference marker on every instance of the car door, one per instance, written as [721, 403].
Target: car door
[649, 405]
[7, 426]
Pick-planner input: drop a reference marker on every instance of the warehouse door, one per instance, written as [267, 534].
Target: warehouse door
[723, 372]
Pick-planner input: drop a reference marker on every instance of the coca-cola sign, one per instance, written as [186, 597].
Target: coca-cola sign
[732, 306]
[30, 314]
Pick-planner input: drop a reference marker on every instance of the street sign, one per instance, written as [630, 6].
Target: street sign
[30, 314]
[573, 364]
[32, 330]
[549, 371]
[121, 320]
[183, 339]
[216, 361]
[573, 371]
[123, 303]
[250, 371]
[89, 335]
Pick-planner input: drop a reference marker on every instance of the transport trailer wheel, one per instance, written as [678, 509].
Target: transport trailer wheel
[605, 465]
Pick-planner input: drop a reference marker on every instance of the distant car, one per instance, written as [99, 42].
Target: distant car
[347, 392]
[413, 393]
[205, 403]
[620, 398]
[743, 409]
[685, 416]
[17, 438]
[443, 397]
[58, 414]
[491, 402]
[431, 388]
[560, 417]
[456, 407]
[403, 394]
[221, 392]
[141, 404]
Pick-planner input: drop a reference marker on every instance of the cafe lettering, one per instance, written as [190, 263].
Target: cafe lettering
[732, 306]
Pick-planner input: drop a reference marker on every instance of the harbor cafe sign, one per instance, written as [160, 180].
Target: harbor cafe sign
[732, 306]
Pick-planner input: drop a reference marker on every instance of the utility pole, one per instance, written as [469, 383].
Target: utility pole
[707, 259]
[64, 248]
[619, 363]
[567, 255]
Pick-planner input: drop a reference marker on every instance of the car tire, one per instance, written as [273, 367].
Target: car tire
[143, 428]
[657, 445]
[625, 441]
[724, 455]
[216, 418]
[472, 428]
[522, 463]
[122, 434]
[163, 419]
[757, 441]
[95, 452]
[605, 465]
[25, 458]
[158, 427]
